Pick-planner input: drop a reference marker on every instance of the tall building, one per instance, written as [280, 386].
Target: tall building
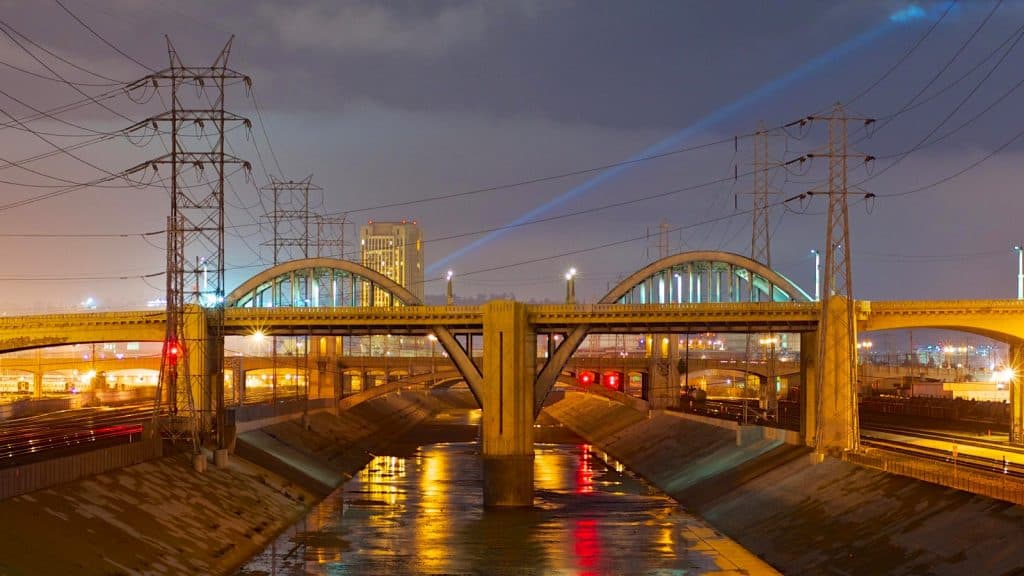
[395, 249]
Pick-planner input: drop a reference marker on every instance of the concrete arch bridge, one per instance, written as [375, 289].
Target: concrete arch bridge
[689, 292]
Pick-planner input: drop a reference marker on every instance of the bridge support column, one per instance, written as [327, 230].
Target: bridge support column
[239, 380]
[837, 420]
[510, 357]
[1017, 394]
[808, 386]
[664, 371]
[197, 347]
[37, 385]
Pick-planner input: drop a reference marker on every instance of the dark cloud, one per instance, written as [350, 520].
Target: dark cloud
[393, 101]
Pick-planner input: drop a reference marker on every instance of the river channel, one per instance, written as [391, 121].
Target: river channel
[420, 512]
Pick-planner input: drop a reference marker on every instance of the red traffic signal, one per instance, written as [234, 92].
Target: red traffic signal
[586, 377]
[613, 380]
[173, 351]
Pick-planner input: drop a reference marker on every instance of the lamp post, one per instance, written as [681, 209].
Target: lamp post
[433, 366]
[451, 294]
[1020, 271]
[817, 275]
[570, 286]
[770, 397]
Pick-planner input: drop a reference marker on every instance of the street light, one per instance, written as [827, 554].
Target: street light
[570, 286]
[817, 274]
[451, 294]
[1020, 271]
[865, 345]
[433, 366]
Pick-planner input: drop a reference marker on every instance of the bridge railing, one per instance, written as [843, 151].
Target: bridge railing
[994, 484]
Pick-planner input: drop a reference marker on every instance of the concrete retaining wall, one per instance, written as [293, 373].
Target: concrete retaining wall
[31, 407]
[161, 517]
[804, 518]
[256, 416]
[38, 475]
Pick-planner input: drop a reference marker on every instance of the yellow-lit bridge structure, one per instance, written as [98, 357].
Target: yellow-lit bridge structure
[690, 292]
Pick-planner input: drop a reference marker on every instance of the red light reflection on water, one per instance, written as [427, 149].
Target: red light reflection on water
[586, 545]
[585, 472]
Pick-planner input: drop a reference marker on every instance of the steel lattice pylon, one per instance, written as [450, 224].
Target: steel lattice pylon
[290, 206]
[838, 277]
[760, 241]
[195, 240]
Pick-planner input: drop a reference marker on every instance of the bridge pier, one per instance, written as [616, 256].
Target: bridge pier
[663, 370]
[510, 357]
[836, 421]
[1017, 394]
[37, 384]
[808, 386]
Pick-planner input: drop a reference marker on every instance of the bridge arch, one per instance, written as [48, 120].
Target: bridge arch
[705, 276]
[320, 282]
[331, 282]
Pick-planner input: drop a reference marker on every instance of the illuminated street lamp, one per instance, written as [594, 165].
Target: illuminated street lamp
[570, 286]
[433, 367]
[865, 345]
[451, 294]
[817, 275]
[1020, 271]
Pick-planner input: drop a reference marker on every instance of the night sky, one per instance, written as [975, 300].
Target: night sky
[390, 102]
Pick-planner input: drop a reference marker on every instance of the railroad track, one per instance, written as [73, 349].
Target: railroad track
[969, 461]
[50, 435]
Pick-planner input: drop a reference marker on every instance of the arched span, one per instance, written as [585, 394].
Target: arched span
[330, 282]
[320, 282]
[705, 276]
[705, 270]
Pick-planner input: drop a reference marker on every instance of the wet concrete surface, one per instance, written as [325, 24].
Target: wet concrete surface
[418, 510]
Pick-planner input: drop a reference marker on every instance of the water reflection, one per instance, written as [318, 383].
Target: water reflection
[424, 515]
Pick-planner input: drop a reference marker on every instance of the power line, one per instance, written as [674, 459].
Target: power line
[906, 54]
[552, 177]
[922, 142]
[958, 173]
[101, 38]
[4, 26]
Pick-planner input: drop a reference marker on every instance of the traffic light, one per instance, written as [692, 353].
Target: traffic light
[613, 380]
[173, 351]
[585, 378]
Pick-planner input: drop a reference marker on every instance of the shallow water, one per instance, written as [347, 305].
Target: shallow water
[423, 514]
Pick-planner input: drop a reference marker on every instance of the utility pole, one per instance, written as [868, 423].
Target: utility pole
[195, 234]
[837, 289]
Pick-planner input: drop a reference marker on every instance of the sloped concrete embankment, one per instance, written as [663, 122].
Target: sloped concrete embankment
[805, 518]
[161, 517]
[326, 450]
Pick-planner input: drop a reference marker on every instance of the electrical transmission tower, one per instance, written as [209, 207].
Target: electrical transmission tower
[195, 239]
[760, 241]
[760, 251]
[290, 210]
[330, 236]
[837, 330]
